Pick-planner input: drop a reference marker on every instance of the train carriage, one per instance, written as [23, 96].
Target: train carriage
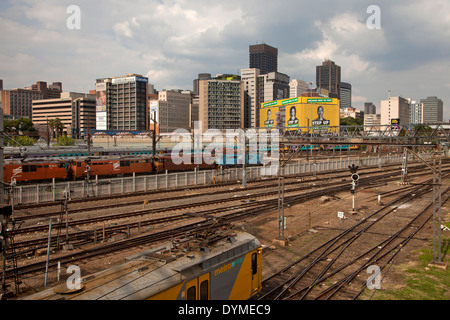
[225, 269]
[110, 167]
[166, 163]
[34, 171]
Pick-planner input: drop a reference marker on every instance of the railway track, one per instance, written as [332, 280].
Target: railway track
[341, 259]
[94, 234]
[21, 214]
[208, 221]
[252, 184]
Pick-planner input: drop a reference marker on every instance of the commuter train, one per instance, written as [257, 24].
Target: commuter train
[222, 267]
[75, 169]
[326, 147]
[73, 152]
[79, 168]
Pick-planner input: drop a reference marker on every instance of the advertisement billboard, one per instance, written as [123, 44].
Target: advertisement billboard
[101, 121]
[100, 89]
[100, 108]
[325, 114]
[298, 113]
[395, 124]
[269, 116]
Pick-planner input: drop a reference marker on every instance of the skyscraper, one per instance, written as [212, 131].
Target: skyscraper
[433, 109]
[251, 108]
[221, 102]
[328, 76]
[297, 87]
[72, 108]
[416, 112]
[264, 58]
[395, 108]
[346, 95]
[370, 108]
[122, 103]
[173, 110]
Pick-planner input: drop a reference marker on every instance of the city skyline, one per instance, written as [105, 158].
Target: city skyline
[171, 42]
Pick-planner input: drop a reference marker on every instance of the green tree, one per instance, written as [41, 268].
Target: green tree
[66, 141]
[20, 141]
[56, 127]
[24, 124]
[350, 121]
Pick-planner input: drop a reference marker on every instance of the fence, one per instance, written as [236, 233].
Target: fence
[41, 193]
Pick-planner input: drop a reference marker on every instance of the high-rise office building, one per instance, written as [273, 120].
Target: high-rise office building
[370, 108]
[251, 107]
[260, 88]
[221, 102]
[416, 112]
[264, 58]
[173, 110]
[18, 102]
[201, 76]
[346, 95]
[328, 76]
[122, 103]
[274, 86]
[395, 108]
[297, 87]
[51, 91]
[75, 110]
[433, 109]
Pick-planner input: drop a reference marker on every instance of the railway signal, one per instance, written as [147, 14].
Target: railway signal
[355, 178]
[353, 168]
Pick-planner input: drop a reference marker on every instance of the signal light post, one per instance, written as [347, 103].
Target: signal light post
[355, 178]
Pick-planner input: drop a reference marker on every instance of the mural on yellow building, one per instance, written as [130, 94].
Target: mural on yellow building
[302, 112]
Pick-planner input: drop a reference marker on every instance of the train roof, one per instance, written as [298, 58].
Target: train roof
[148, 273]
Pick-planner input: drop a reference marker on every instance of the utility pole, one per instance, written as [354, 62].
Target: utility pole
[281, 224]
[244, 164]
[154, 134]
[48, 134]
[88, 138]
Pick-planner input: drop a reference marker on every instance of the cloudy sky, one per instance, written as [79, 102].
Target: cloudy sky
[172, 41]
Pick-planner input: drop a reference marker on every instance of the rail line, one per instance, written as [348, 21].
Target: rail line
[20, 216]
[251, 209]
[285, 284]
[91, 235]
[192, 188]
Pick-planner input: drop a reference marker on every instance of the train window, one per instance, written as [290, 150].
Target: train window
[204, 287]
[78, 164]
[46, 166]
[29, 168]
[191, 293]
[124, 163]
[61, 165]
[39, 167]
[254, 264]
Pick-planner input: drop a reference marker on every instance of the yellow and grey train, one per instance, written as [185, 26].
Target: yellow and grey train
[227, 269]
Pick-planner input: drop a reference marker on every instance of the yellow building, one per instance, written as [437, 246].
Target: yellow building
[297, 113]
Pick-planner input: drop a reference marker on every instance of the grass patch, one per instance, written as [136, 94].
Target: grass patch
[418, 280]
